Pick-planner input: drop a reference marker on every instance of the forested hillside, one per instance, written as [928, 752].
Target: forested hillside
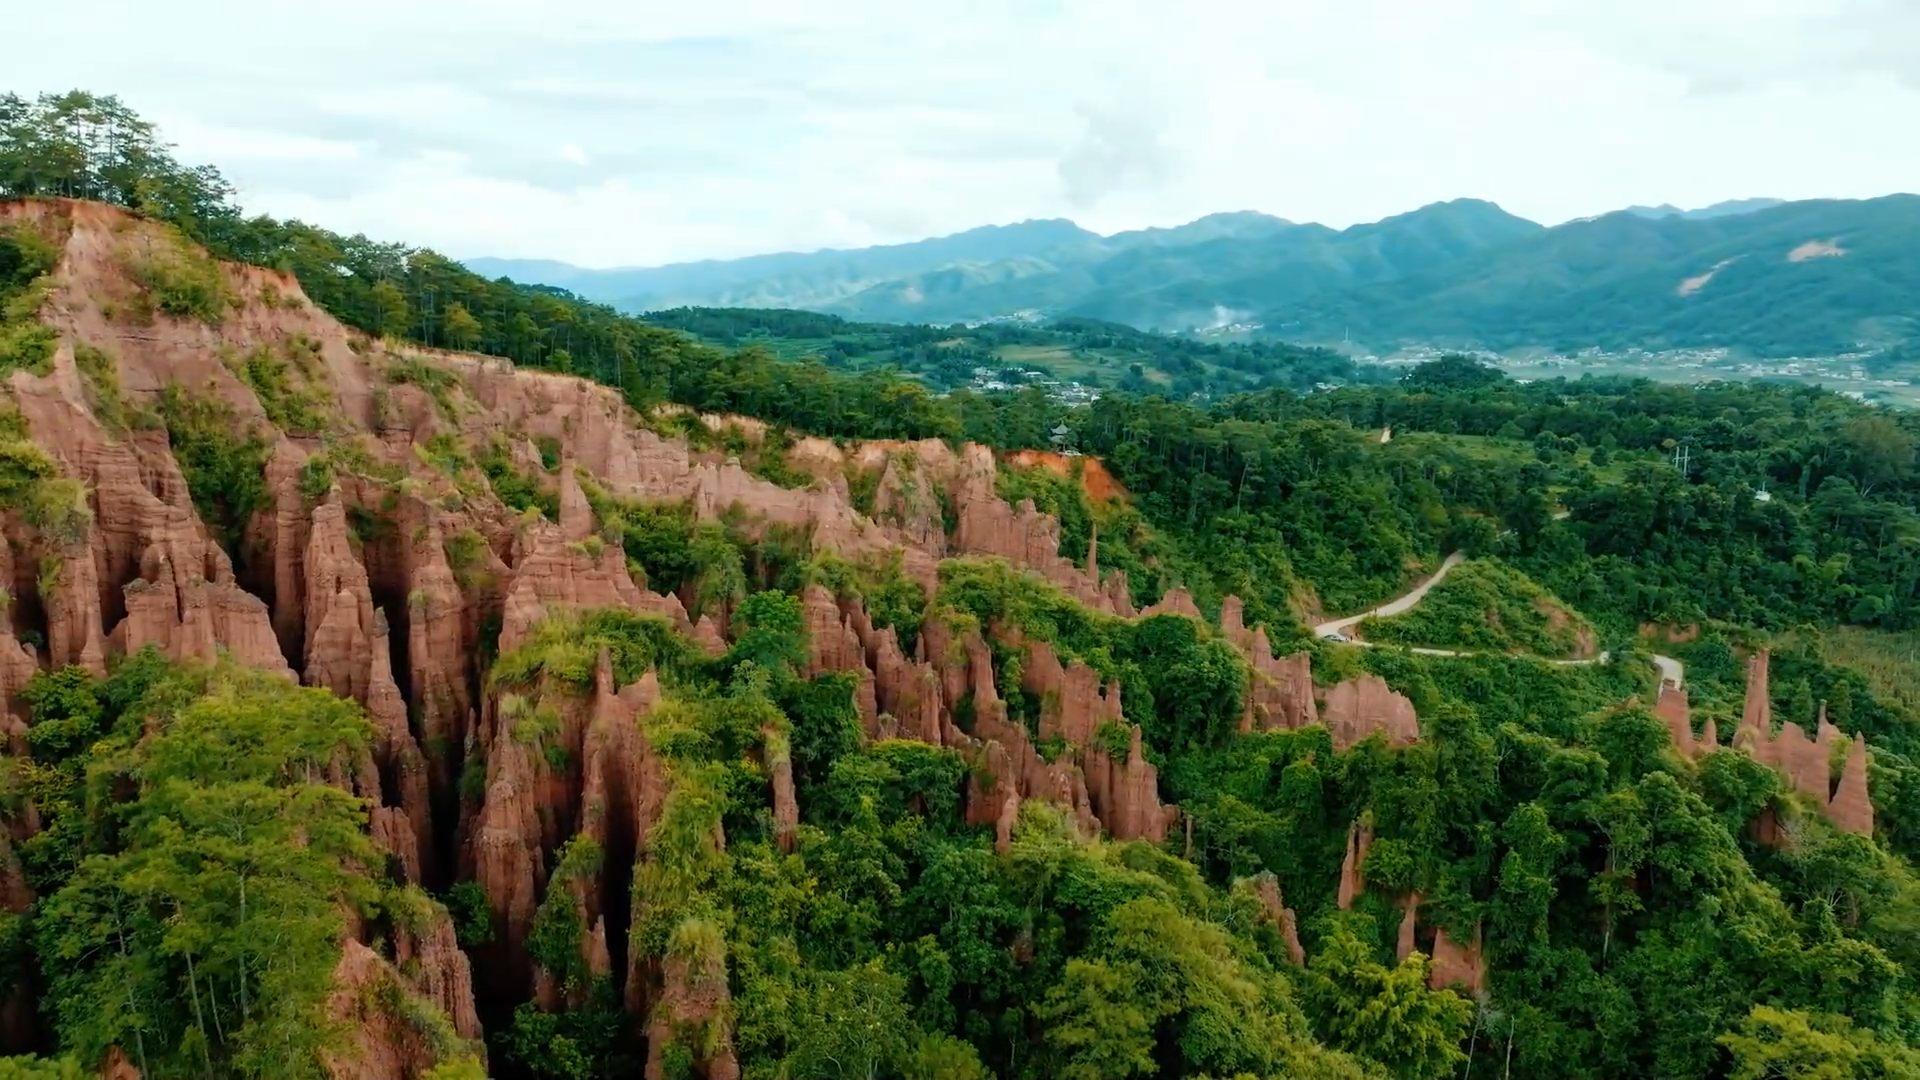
[1813, 278]
[632, 706]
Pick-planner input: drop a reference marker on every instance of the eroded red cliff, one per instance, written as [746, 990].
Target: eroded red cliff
[384, 582]
[1805, 763]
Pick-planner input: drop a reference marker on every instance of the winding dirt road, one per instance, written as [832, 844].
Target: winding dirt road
[1671, 670]
[1398, 606]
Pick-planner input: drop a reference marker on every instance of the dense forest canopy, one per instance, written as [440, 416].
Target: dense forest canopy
[194, 865]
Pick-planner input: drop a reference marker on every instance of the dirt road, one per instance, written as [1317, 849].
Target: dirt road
[1671, 670]
[1398, 606]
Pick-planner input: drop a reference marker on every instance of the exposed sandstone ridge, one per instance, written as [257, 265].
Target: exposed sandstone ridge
[1806, 763]
[441, 972]
[834, 645]
[1073, 705]
[1176, 601]
[381, 1041]
[355, 589]
[145, 571]
[1026, 537]
[1007, 767]
[1360, 708]
[909, 691]
[1409, 926]
[693, 1012]
[1266, 888]
[1462, 967]
[1352, 880]
[1459, 965]
[552, 574]
[1280, 693]
[560, 767]
[1672, 709]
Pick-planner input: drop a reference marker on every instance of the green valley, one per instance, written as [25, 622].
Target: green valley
[1009, 355]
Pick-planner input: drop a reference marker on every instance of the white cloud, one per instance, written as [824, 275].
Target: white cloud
[732, 127]
[237, 144]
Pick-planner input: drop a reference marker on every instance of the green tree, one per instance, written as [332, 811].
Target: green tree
[211, 934]
[1162, 984]
[392, 315]
[459, 327]
[849, 1025]
[1880, 451]
[35, 1068]
[1779, 1044]
[1386, 1014]
[770, 631]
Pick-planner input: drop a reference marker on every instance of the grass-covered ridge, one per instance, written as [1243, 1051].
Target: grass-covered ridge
[1484, 605]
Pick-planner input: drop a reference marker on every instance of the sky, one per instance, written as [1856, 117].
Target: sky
[634, 132]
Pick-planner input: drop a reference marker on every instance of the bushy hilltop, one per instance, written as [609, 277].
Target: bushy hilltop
[381, 711]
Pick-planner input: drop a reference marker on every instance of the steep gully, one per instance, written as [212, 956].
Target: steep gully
[354, 590]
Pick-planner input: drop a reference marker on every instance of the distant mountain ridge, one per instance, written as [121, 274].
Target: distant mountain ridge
[1758, 275]
[809, 280]
[1728, 208]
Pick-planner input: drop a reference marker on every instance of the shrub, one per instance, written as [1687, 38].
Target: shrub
[467, 554]
[472, 915]
[438, 382]
[316, 478]
[225, 462]
[444, 452]
[28, 347]
[889, 595]
[370, 526]
[57, 506]
[22, 466]
[350, 456]
[514, 488]
[104, 394]
[26, 259]
[1486, 605]
[296, 410]
[566, 647]
[180, 280]
[47, 582]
